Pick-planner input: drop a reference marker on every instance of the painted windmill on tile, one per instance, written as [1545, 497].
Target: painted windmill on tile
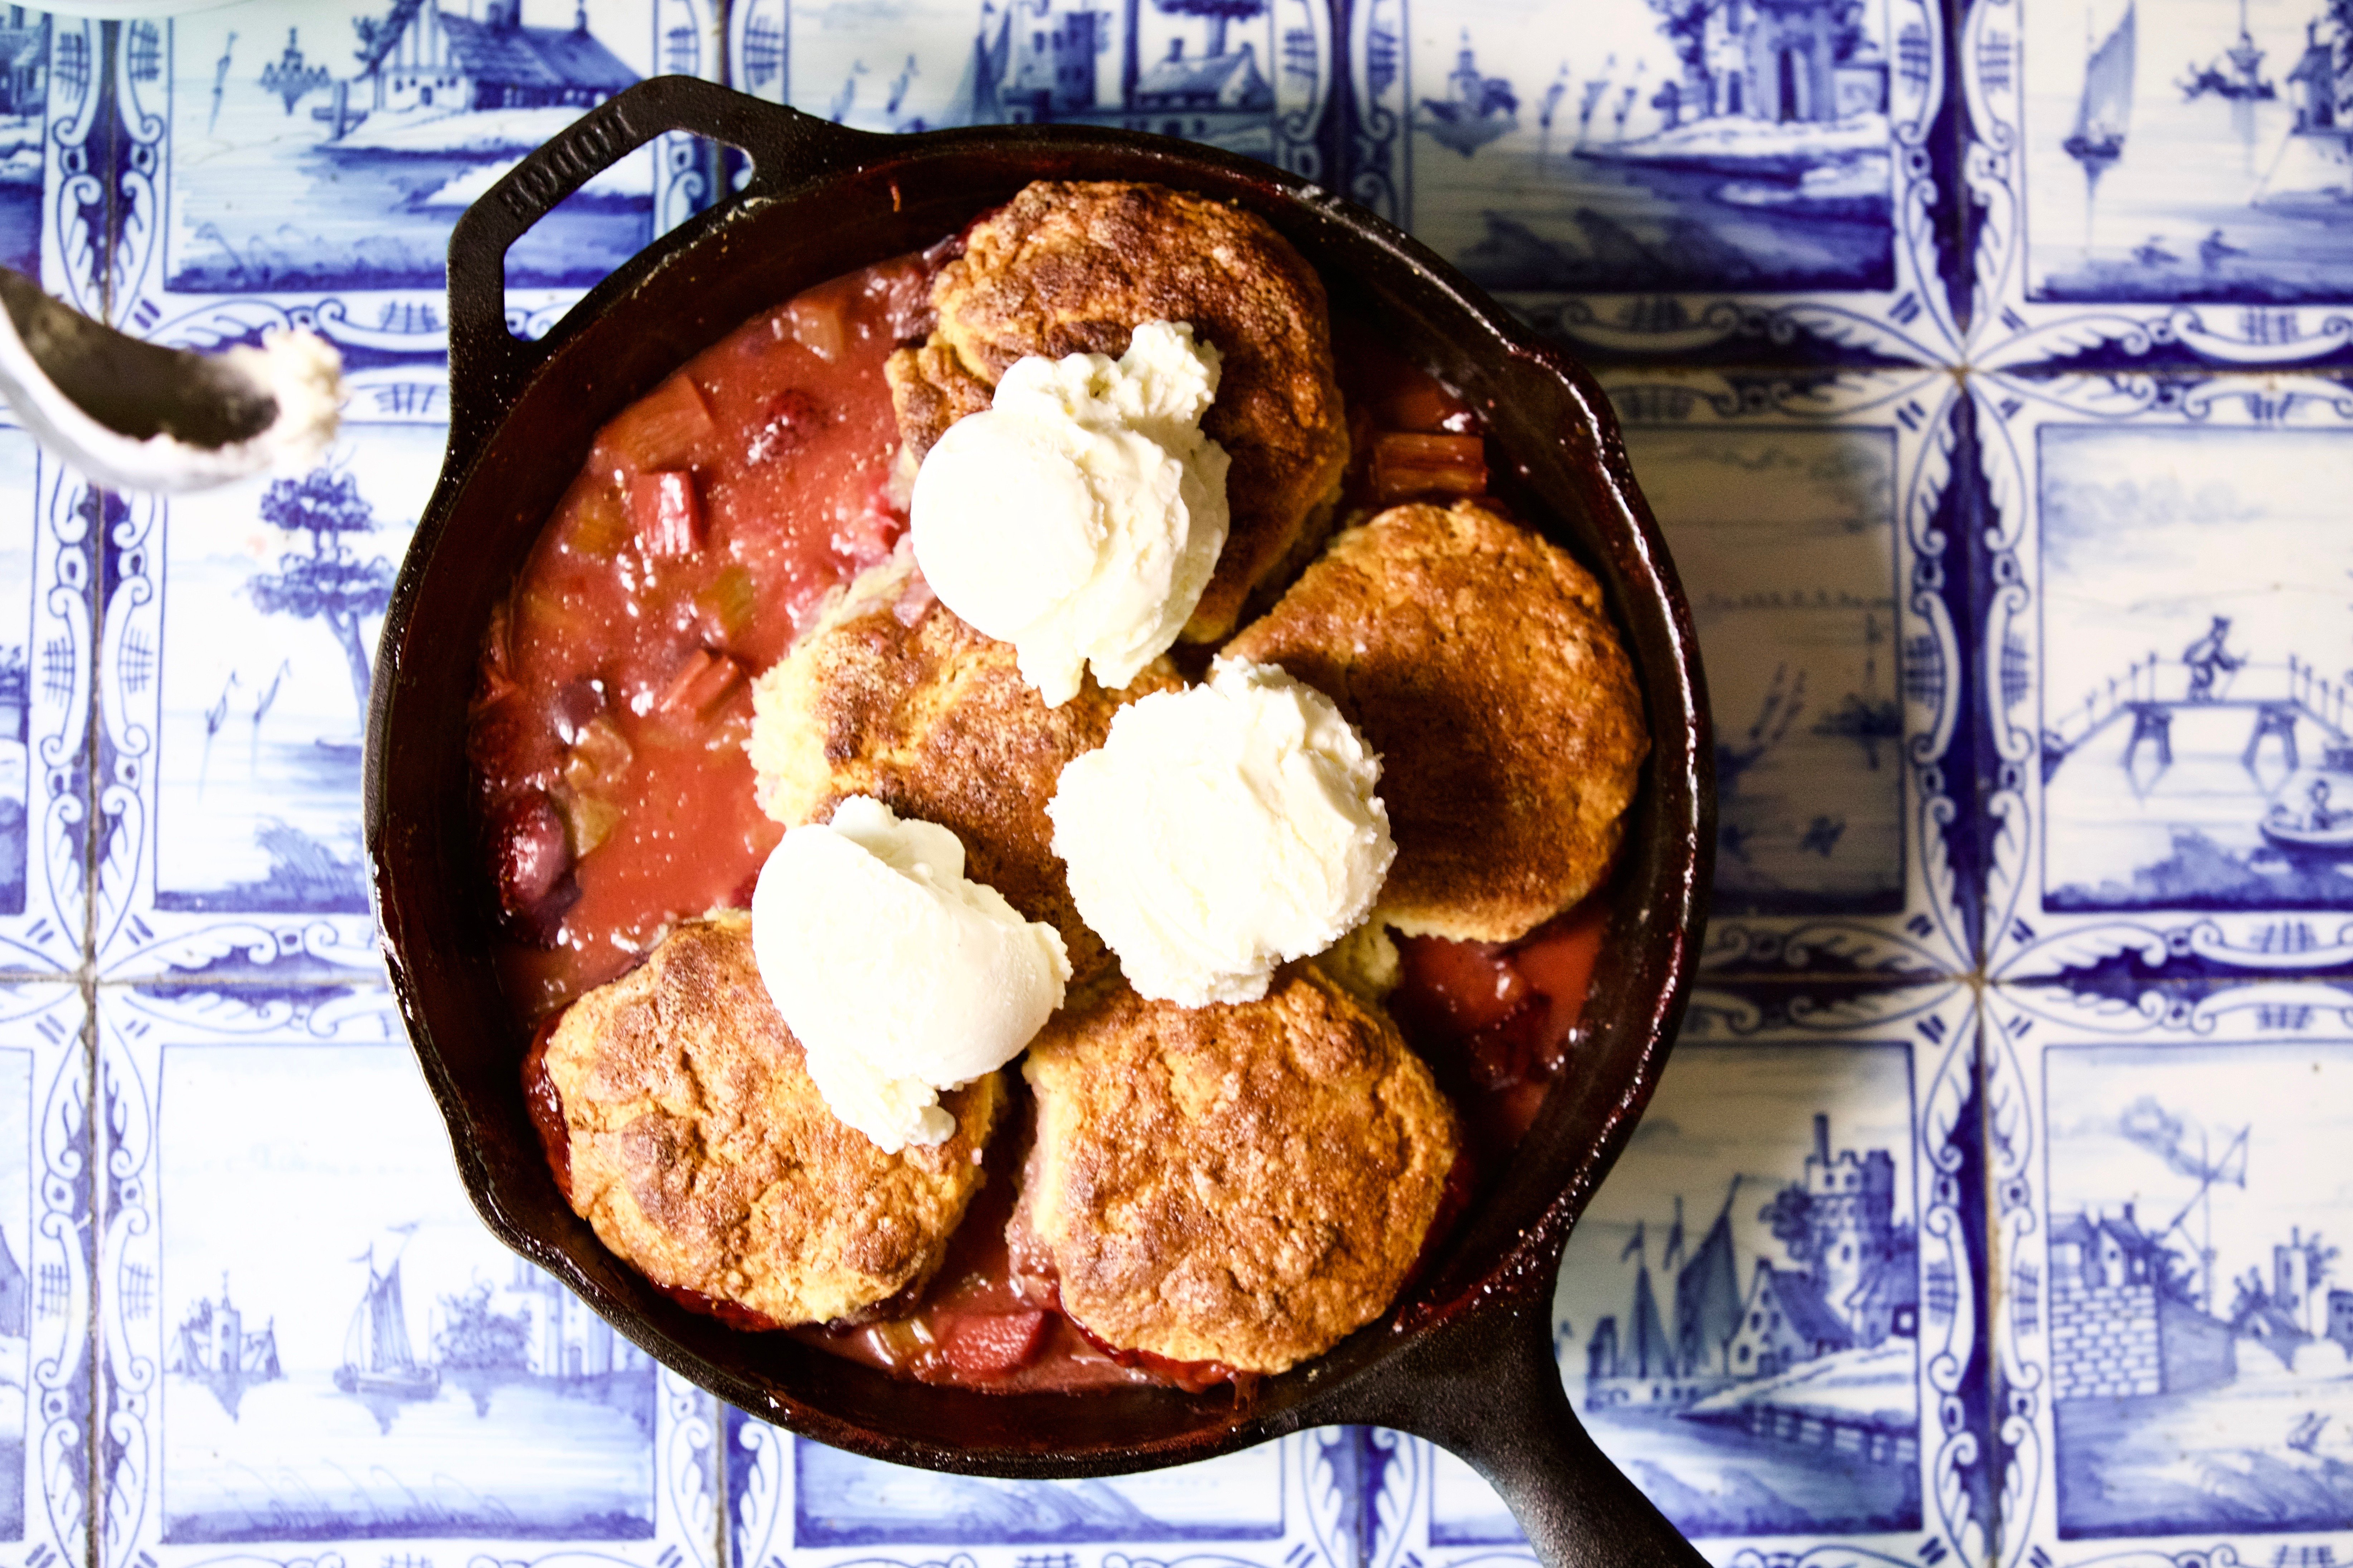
[2166, 1136]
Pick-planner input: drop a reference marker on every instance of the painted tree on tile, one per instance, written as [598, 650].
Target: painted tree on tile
[1219, 12]
[473, 1337]
[331, 584]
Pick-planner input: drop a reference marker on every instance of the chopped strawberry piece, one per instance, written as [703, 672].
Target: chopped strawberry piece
[1425, 405]
[701, 684]
[993, 1344]
[866, 537]
[1514, 1049]
[735, 1314]
[1473, 983]
[527, 842]
[786, 423]
[530, 860]
[545, 1103]
[668, 510]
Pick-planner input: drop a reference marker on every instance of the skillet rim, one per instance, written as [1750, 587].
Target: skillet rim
[1553, 1176]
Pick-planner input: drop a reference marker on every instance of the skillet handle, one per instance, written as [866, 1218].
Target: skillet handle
[1485, 1386]
[488, 363]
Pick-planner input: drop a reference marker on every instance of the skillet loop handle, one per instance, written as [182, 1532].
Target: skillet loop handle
[1485, 1386]
[488, 363]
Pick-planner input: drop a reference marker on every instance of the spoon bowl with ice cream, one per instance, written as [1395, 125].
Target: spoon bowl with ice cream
[138, 415]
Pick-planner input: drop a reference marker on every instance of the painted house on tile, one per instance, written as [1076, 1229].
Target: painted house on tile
[1786, 1322]
[2321, 85]
[13, 1316]
[418, 56]
[1049, 56]
[1037, 64]
[571, 1342]
[1852, 1288]
[1778, 60]
[2299, 1288]
[2121, 1323]
[24, 61]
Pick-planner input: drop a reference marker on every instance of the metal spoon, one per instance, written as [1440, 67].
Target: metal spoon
[137, 415]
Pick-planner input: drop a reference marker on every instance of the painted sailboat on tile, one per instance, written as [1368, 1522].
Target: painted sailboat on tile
[377, 1357]
[2105, 111]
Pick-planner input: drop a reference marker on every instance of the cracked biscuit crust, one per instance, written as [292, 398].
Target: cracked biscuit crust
[1068, 269]
[1478, 660]
[1246, 1183]
[892, 695]
[703, 1154]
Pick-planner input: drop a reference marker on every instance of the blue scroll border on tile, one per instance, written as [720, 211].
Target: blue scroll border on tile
[2009, 331]
[48, 1020]
[2025, 938]
[79, 171]
[47, 693]
[1320, 1489]
[1931, 933]
[2026, 1024]
[1913, 322]
[135, 1026]
[133, 936]
[1940, 1023]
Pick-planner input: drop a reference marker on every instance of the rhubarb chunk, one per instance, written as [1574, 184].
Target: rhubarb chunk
[668, 510]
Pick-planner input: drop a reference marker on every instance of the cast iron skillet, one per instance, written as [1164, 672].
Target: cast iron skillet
[1467, 1358]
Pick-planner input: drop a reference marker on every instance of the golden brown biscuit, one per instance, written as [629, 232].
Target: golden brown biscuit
[1246, 1183]
[891, 695]
[704, 1157]
[1477, 659]
[1075, 268]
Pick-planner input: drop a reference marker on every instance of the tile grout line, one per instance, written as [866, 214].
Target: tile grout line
[95, 1506]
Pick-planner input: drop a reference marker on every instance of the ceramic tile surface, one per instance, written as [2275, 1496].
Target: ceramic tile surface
[2159, 181]
[2175, 1339]
[1293, 1503]
[1985, 365]
[2169, 717]
[46, 1246]
[1770, 1316]
[1254, 78]
[312, 1343]
[1809, 523]
[1670, 177]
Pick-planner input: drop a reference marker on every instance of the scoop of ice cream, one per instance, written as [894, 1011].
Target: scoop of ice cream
[1079, 516]
[898, 974]
[1222, 830]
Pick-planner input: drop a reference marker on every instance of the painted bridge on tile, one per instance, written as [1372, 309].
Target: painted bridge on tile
[2151, 692]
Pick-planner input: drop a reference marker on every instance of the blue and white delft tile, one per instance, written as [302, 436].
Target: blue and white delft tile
[1786, 1129]
[916, 65]
[2174, 1342]
[239, 181]
[1669, 178]
[48, 518]
[314, 1351]
[241, 629]
[45, 1361]
[1291, 1503]
[2220, 231]
[1808, 523]
[2166, 698]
